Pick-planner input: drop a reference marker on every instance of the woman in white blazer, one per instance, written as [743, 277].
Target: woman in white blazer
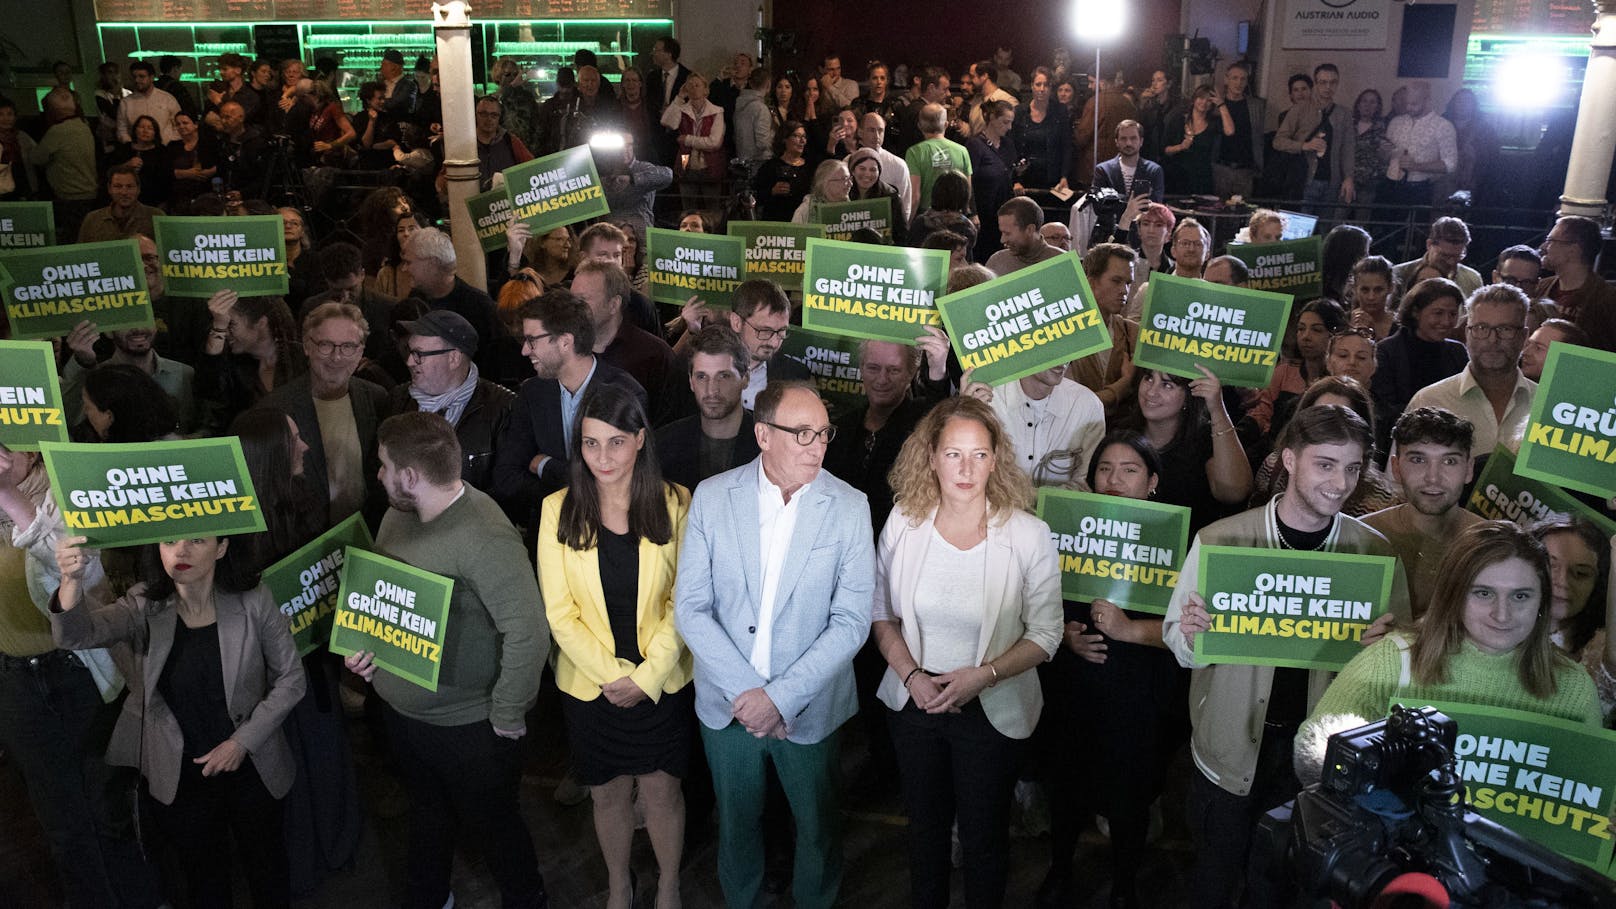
[967, 600]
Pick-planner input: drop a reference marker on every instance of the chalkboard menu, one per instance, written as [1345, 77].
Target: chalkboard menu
[277, 42]
[198, 11]
[1533, 17]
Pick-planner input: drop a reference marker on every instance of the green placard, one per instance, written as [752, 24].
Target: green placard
[147, 492]
[202, 256]
[1294, 267]
[1549, 780]
[843, 219]
[396, 611]
[1276, 607]
[776, 250]
[680, 265]
[1571, 435]
[833, 360]
[1232, 331]
[882, 293]
[1502, 494]
[1025, 322]
[27, 225]
[52, 289]
[556, 190]
[305, 582]
[490, 214]
[1128, 551]
[30, 396]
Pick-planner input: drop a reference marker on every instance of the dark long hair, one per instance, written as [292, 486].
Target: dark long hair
[1141, 446]
[290, 361]
[1193, 417]
[291, 510]
[141, 410]
[1592, 617]
[232, 573]
[1344, 245]
[648, 516]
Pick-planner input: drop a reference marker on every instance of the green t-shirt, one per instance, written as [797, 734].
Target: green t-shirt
[933, 157]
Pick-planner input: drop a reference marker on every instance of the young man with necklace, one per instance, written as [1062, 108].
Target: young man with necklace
[1245, 717]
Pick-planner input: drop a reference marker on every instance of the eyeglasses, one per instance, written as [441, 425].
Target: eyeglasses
[534, 340]
[1501, 332]
[327, 348]
[1519, 282]
[416, 356]
[765, 334]
[806, 437]
[1362, 331]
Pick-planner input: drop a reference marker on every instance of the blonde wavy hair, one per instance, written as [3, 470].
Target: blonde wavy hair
[914, 486]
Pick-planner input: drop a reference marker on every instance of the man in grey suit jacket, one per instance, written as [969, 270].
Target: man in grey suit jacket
[776, 575]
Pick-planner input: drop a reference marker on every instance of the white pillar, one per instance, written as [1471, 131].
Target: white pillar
[1594, 142]
[451, 23]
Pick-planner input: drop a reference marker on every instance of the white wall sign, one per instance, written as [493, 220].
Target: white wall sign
[1337, 24]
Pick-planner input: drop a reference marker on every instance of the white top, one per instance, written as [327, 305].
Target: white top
[948, 604]
[1426, 139]
[1460, 395]
[1127, 177]
[1071, 419]
[755, 381]
[156, 104]
[777, 518]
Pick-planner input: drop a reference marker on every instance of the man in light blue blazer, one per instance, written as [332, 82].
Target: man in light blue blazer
[776, 576]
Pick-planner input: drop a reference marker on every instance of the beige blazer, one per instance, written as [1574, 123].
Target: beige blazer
[1023, 602]
[263, 680]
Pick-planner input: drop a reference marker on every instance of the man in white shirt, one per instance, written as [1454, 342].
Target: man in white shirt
[1491, 392]
[983, 76]
[145, 99]
[872, 132]
[843, 91]
[1425, 147]
[1054, 424]
[776, 581]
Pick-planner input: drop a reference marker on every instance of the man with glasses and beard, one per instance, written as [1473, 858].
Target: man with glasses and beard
[558, 338]
[1490, 392]
[132, 347]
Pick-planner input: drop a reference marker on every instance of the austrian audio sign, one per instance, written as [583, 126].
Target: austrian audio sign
[202, 256]
[556, 190]
[1336, 24]
[1571, 436]
[146, 492]
[51, 289]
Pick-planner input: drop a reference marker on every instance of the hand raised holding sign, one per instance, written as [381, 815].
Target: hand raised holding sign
[934, 345]
[362, 664]
[978, 390]
[81, 340]
[1194, 619]
[72, 560]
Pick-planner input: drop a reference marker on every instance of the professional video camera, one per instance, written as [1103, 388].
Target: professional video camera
[1106, 202]
[1391, 803]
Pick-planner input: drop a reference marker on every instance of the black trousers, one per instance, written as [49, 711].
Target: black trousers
[463, 780]
[956, 765]
[207, 813]
[1221, 823]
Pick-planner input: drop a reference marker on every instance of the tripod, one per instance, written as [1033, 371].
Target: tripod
[283, 173]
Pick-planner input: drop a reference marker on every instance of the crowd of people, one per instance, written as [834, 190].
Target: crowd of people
[655, 501]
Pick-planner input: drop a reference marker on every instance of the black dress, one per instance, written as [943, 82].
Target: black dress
[610, 741]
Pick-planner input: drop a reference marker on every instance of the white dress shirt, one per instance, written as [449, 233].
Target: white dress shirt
[1459, 394]
[777, 519]
[1426, 139]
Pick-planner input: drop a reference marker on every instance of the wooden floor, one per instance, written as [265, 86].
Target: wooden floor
[876, 866]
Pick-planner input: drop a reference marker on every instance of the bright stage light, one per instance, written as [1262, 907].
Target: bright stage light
[1529, 81]
[1097, 21]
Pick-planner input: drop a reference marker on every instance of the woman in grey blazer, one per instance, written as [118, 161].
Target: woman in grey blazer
[214, 674]
[967, 600]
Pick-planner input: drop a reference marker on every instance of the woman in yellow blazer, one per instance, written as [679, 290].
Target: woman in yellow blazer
[608, 547]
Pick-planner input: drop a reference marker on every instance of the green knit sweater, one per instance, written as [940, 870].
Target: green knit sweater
[1370, 681]
[497, 637]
